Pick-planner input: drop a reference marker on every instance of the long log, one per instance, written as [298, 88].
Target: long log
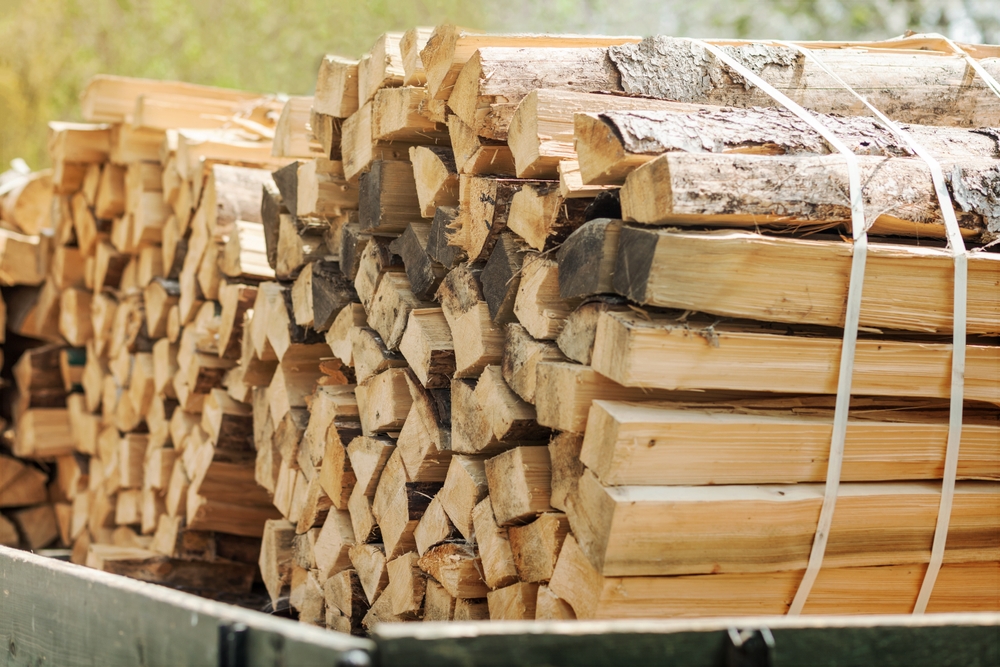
[908, 86]
[612, 143]
[799, 281]
[661, 443]
[663, 353]
[803, 192]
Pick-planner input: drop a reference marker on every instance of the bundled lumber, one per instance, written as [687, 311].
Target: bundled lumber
[511, 327]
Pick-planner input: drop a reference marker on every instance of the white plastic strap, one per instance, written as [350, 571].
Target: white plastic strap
[991, 83]
[957, 246]
[852, 316]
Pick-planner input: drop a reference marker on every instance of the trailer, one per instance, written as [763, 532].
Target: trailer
[56, 613]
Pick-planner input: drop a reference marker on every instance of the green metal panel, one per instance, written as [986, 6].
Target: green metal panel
[939, 640]
[55, 613]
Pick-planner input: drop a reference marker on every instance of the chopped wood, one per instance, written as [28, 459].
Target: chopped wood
[494, 547]
[513, 603]
[521, 356]
[435, 176]
[457, 569]
[519, 483]
[536, 546]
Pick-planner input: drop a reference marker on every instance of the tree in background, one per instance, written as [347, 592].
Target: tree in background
[49, 48]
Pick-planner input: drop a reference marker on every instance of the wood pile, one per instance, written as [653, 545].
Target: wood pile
[534, 327]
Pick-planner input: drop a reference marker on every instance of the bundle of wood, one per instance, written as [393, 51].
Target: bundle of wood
[520, 327]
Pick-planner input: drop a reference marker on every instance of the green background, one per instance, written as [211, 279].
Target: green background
[49, 48]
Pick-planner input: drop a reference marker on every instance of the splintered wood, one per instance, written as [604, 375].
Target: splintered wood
[508, 327]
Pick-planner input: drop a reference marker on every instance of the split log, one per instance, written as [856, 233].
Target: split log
[536, 546]
[423, 272]
[494, 547]
[690, 356]
[464, 488]
[513, 603]
[434, 527]
[700, 539]
[501, 277]
[519, 483]
[541, 130]
[802, 281]
[336, 87]
[428, 348]
[614, 431]
[538, 306]
[521, 356]
[398, 115]
[435, 176]
[457, 569]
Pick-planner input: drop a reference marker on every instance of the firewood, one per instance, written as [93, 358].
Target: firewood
[543, 217]
[450, 47]
[423, 273]
[536, 546]
[425, 440]
[410, 45]
[438, 243]
[866, 439]
[43, 433]
[384, 401]
[157, 468]
[337, 87]
[383, 68]
[486, 203]
[519, 483]
[624, 331]
[468, 317]
[319, 294]
[513, 603]
[428, 347]
[406, 587]
[38, 525]
[435, 176]
[597, 239]
[22, 258]
[471, 610]
[334, 543]
[457, 569]
[464, 488]
[291, 137]
[434, 527]
[369, 354]
[338, 336]
[322, 190]
[276, 557]
[478, 155]
[66, 267]
[470, 425]
[397, 115]
[21, 484]
[9, 536]
[889, 279]
[85, 225]
[359, 149]
[369, 562]
[336, 475]
[551, 607]
[368, 457]
[576, 340]
[541, 130]
[564, 392]
[915, 212]
[353, 242]
[439, 605]
[651, 68]
[298, 247]
[492, 82]
[538, 306]
[245, 254]
[521, 356]
[388, 197]
[376, 260]
[897, 524]
[343, 592]
[398, 506]
[494, 547]
[326, 131]
[501, 277]
[26, 206]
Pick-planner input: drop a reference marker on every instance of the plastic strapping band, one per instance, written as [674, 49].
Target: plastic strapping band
[957, 246]
[852, 316]
[991, 83]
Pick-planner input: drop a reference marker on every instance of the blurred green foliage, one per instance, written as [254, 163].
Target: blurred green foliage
[49, 48]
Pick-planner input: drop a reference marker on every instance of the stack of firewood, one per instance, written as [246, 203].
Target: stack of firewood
[519, 327]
